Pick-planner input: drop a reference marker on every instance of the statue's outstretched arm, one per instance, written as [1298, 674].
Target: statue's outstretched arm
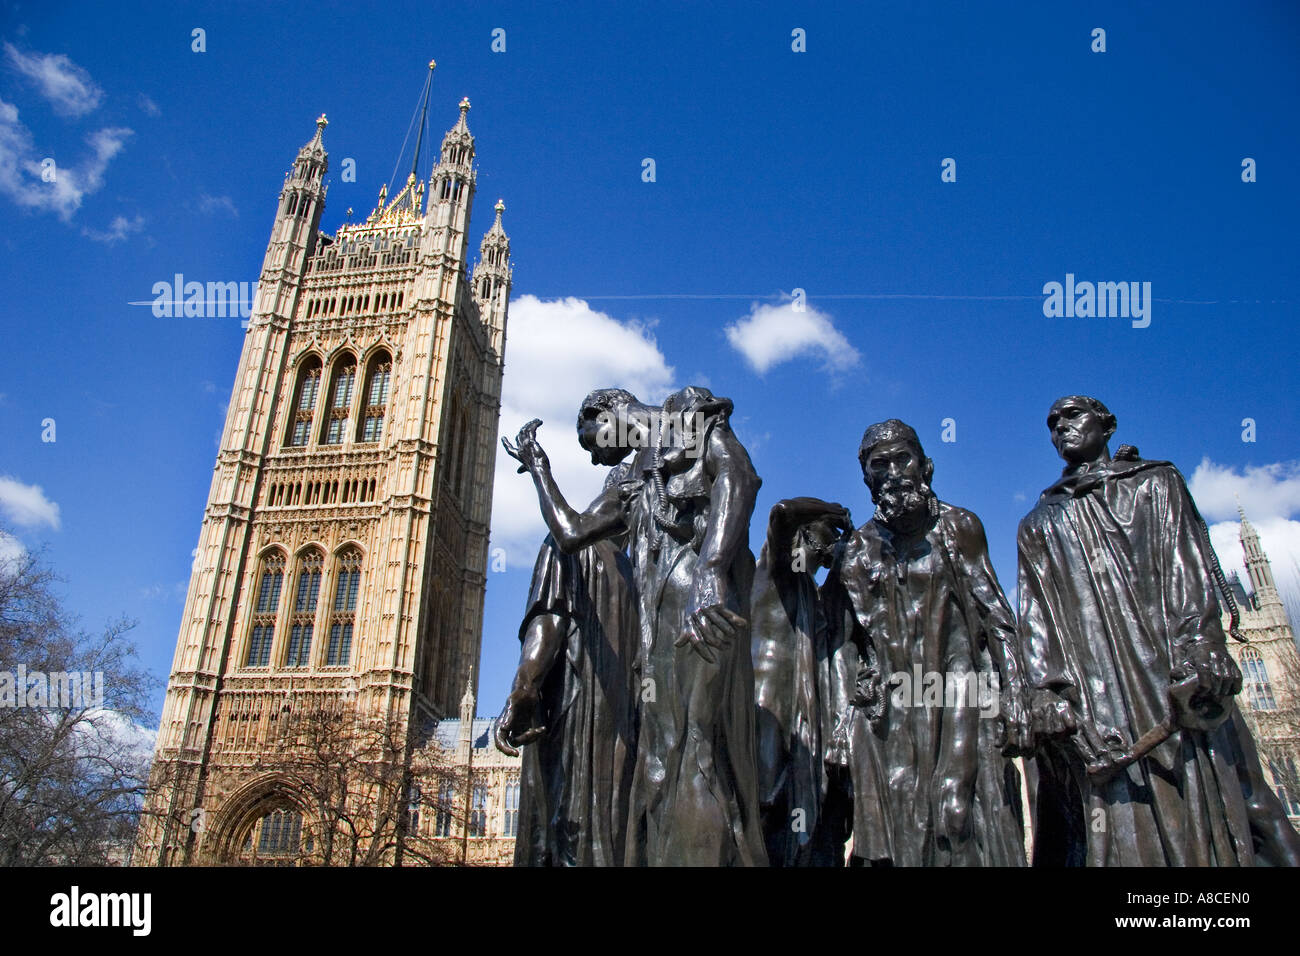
[572, 530]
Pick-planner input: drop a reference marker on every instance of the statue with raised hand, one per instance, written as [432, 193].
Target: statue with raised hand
[573, 706]
[685, 507]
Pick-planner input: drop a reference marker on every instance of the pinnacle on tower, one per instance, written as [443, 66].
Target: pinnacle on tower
[467, 707]
[497, 231]
[316, 144]
[312, 162]
[1257, 564]
[494, 257]
[492, 277]
[458, 144]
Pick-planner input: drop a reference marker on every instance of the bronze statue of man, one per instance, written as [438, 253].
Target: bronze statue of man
[805, 804]
[1143, 760]
[939, 693]
[573, 706]
[685, 508]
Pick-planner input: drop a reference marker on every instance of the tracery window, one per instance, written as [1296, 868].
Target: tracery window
[276, 839]
[304, 408]
[512, 809]
[442, 818]
[304, 609]
[413, 810]
[1259, 691]
[478, 811]
[343, 610]
[265, 610]
[372, 415]
[340, 404]
[462, 453]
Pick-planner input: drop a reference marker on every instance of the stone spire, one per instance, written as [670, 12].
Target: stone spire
[297, 220]
[316, 145]
[492, 278]
[305, 179]
[1257, 565]
[466, 740]
[451, 192]
[467, 700]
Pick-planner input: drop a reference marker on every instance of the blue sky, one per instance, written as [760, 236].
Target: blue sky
[775, 170]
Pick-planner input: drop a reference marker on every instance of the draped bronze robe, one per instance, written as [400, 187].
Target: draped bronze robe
[925, 609]
[695, 795]
[793, 694]
[1115, 584]
[576, 780]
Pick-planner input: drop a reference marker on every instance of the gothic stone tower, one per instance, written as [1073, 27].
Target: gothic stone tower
[342, 556]
[1270, 668]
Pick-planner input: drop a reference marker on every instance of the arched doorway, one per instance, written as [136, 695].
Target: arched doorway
[265, 823]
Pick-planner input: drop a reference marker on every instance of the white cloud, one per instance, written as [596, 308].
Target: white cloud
[111, 733]
[1270, 497]
[556, 352]
[210, 204]
[68, 87]
[11, 552]
[21, 170]
[118, 229]
[26, 505]
[149, 106]
[1265, 490]
[772, 334]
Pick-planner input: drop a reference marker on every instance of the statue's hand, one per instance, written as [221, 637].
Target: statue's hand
[1217, 674]
[1016, 730]
[527, 450]
[710, 629]
[840, 517]
[515, 728]
[1050, 715]
[710, 624]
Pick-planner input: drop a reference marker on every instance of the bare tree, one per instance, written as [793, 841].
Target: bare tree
[74, 758]
[363, 784]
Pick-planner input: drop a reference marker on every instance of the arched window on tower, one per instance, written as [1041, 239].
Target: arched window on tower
[267, 606]
[445, 809]
[413, 809]
[278, 838]
[462, 453]
[343, 609]
[304, 406]
[512, 809]
[1259, 692]
[340, 403]
[378, 377]
[478, 810]
[306, 597]
[451, 443]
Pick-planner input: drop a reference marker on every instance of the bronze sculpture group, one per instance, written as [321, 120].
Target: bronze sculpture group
[678, 704]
